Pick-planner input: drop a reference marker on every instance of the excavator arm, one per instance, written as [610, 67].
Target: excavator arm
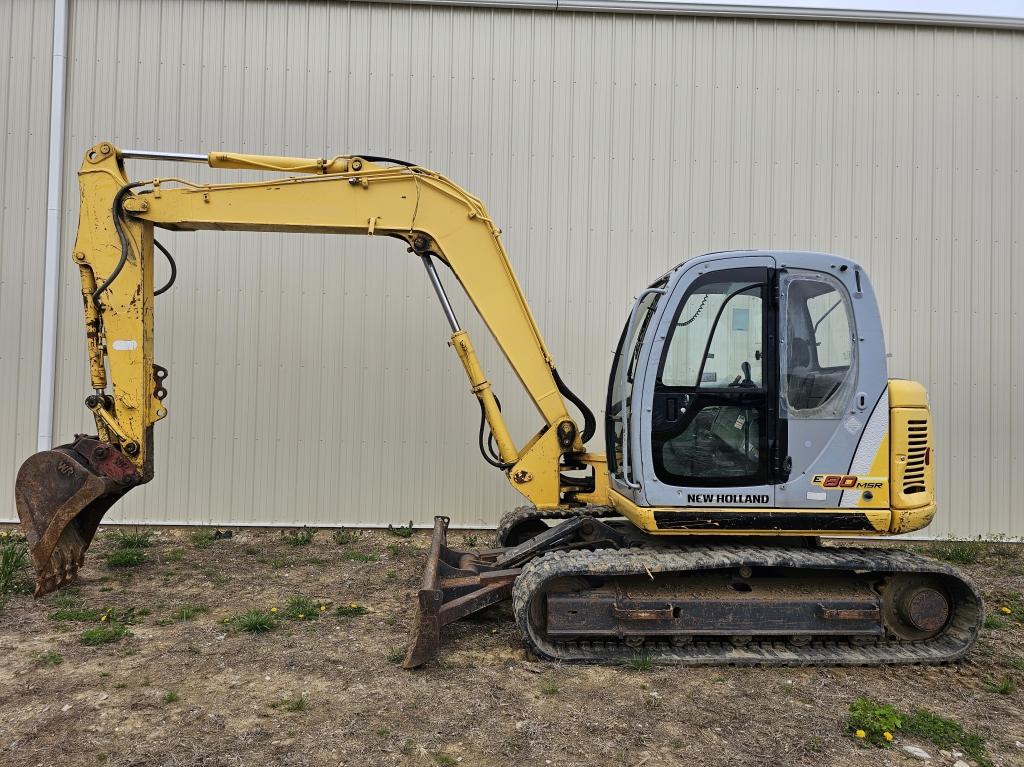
[63, 493]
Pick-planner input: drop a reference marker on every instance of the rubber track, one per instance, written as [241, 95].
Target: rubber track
[954, 642]
[524, 513]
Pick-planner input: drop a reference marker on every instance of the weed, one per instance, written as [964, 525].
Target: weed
[302, 609]
[202, 538]
[445, 760]
[302, 537]
[549, 687]
[294, 705]
[958, 552]
[315, 561]
[256, 621]
[469, 540]
[13, 562]
[47, 658]
[401, 532]
[350, 610]
[945, 733]
[343, 537]
[120, 685]
[189, 611]
[359, 556]
[126, 558]
[397, 655]
[1006, 686]
[175, 555]
[640, 663]
[872, 720]
[392, 575]
[383, 732]
[171, 697]
[105, 634]
[131, 539]
[1015, 663]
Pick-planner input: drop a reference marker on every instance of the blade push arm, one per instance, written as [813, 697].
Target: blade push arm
[438, 221]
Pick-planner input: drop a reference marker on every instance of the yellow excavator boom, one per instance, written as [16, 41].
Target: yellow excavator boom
[62, 494]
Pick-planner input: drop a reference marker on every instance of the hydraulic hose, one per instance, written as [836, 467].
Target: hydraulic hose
[589, 421]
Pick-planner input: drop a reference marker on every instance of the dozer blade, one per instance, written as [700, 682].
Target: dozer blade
[62, 494]
[455, 584]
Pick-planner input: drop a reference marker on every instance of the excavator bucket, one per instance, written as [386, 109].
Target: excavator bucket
[62, 494]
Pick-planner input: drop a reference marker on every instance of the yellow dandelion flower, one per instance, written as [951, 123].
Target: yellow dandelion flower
[323, 608]
[1005, 610]
[103, 618]
[861, 734]
[273, 609]
[354, 605]
[301, 616]
[887, 736]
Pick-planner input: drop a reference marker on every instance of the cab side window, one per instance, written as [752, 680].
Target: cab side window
[820, 362]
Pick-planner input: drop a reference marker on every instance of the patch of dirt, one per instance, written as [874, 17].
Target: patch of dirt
[204, 692]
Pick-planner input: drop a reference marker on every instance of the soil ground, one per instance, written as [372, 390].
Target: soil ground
[325, 690]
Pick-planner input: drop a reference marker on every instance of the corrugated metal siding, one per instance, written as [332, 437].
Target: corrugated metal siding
[309, 376]
[26, 31]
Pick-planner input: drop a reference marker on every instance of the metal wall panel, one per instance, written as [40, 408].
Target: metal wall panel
[310, 381]
[26, 31]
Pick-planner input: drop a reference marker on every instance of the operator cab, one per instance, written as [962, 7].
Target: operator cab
[739, 378]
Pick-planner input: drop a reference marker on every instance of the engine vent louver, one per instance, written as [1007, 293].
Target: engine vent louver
[917, 457]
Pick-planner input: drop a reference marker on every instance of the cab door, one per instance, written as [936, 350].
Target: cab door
[712, 435]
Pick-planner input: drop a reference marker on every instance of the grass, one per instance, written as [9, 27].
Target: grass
[171, 697]
[397, 655]
[71, 607]
[1015, 663]
[293, 705]
[189, 611]
[126, 558]
[47, 658]
[256, 622]
[400, 531]
[945, 733]
[302, 537]
[470, 540]
[175, 555]
[958, 552]
[302, 609]
[202, 538]
[445, 760]
[549, 687]
[640, 663]
[874, 720]
[131, 539]
[359, 556]
[13, 563]
[1006, 686]
[993, 622]
[105, 634]
[350, 610]
[343, 537]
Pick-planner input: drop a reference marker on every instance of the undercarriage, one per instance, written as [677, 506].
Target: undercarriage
[594, 589]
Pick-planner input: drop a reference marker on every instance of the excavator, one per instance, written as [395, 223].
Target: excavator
[749, 414]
